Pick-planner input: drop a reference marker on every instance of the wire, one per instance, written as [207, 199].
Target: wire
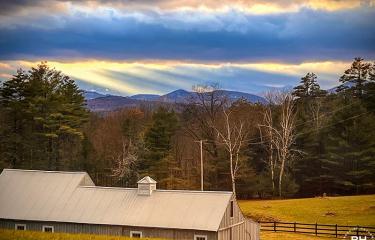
[250, 141]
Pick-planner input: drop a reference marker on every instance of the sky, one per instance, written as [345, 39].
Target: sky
[157, 46]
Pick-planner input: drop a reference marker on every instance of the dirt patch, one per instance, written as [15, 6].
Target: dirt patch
[262, 218]
[330, 214]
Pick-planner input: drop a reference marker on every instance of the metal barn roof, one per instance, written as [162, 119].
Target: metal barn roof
[73, 197]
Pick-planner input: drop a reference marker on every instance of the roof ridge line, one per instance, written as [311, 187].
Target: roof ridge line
[192, 191]
[104, 187]
[44, 171]
[160, 190]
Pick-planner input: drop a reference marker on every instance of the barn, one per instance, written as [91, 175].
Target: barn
[70, 202]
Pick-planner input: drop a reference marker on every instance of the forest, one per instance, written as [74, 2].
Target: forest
[302, 142]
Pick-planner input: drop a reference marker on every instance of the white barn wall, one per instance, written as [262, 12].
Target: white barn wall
[238, 226]
[77, 228]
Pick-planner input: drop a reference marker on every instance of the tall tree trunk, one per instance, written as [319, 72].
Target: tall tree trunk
[272, 175]
[281, 176]
[232, 174]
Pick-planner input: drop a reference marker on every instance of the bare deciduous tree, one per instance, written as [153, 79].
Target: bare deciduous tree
[286, 134]
[316, 111]
[125, 159]
[282, 137]
[117, 142]
[201, 112]
[232, 136]
[205, 106]
[268, 139]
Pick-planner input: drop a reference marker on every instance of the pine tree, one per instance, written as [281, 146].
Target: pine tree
[46, 113]
[308, 87]
[369, 90]
[354, 79]
[310, 105]
[158, 142]
[15, 118]
[350, 150]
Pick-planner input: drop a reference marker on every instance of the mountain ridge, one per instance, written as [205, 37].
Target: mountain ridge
[105, 102]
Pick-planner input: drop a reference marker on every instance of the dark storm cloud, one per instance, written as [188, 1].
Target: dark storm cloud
[225, 36]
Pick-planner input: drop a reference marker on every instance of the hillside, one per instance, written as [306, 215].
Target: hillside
[92, 95]
[109, 103]
[181, 95]
[98, 102]
[145, 97]
[352, 210]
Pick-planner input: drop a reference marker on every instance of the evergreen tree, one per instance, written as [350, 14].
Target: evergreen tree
[309, 167]
[354, 79]
[14, 130]
[350, 150]
[158, 142]
[310, 105]
[45, 112]
[308, 87]
[369, 96]
[369, 90]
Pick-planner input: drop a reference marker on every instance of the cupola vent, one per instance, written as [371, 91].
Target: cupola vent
[146, 186]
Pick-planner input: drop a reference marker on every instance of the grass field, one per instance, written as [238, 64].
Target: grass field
[291, 236]
[353, 210]
[28, 235]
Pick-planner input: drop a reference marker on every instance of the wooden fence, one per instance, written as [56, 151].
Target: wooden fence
[318, 229]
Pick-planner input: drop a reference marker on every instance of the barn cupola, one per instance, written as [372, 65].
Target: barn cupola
[146, 186]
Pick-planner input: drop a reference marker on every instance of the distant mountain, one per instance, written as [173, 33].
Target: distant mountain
[334, 89]
[145, 97]
[234, 96]
[98, 102]
[181, 95]
[177, 96]
[110, 103]
[92, 95]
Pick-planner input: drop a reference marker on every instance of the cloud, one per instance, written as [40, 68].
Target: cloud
[127, 78]
[253, 6]
[155, 46]
[229, 36]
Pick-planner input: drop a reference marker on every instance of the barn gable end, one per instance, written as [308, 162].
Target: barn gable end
[234, 225]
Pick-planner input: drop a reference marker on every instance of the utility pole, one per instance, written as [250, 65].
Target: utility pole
[201, 148]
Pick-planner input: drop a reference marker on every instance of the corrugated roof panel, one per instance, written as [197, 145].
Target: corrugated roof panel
[66, 194]
[60, 196]
[26, 194]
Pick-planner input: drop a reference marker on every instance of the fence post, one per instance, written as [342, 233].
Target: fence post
[294, 226]
[357, 231]
[274, 226]
[336, 230]
[316, 229]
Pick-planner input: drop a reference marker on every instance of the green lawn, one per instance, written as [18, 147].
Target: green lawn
[353, 210]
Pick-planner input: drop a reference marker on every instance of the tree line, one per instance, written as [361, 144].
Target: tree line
[302, 142]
